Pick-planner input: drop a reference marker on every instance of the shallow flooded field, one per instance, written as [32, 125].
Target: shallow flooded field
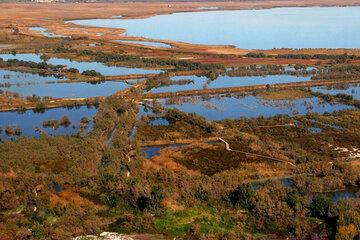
[27, 84]
[349, 89]
[69, 90]
[81, 66]
[222, 107]
[29, 121]
[223, 81]
[45, 32]
[8, 77]
[316, 27]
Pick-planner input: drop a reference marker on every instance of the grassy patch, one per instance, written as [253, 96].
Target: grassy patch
[177, 223]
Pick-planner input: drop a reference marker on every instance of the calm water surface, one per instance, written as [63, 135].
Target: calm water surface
[352, 89]
[159, 122]
[29, 120]
[314, 27]
[201, 82]
[81, 66]
[152, 151]
[45, 32]
[14, 77]
[222, 107]
[150, 44]
[69, 90]
[349, 193]
[27, 84]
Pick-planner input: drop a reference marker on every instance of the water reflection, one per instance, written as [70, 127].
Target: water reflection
[70, 90]
[81, 66]
[220, 107]
[31, 122]
[223, 81]
[349, 89]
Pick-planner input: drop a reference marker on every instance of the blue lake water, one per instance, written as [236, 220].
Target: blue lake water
[222, 107]
[69, 90]
[349, 89]
[29, 120]
[144, 111]
[149, 44]
[14, 77]
[201, 82]
[350, 193]
[314, 129]
[27, 84]
[314, 27]
[81, 66]
[152, 151]
[159, 122]
[45, 32]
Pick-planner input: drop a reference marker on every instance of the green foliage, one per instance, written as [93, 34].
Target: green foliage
[293, 200]
[91, 73]
[175, 115]
[320, 206]
[243, 196]
[29, 64]
[130, 223]
[73, 70]
[38, 231]
[179, 223]
[256, 55]
[201, 194]
[180, 65]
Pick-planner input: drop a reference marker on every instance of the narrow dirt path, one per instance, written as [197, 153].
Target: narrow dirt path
[227, 147]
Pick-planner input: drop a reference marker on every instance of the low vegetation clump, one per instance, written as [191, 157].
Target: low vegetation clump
[91, 73]
[180, 65]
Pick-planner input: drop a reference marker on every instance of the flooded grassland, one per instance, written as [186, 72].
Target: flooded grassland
[108, 124]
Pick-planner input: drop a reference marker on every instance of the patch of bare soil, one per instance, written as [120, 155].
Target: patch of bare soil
[6, 46]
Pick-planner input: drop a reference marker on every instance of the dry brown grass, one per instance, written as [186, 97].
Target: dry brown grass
[355, 165]
[69, 196]
[165, 159]
[10, 174]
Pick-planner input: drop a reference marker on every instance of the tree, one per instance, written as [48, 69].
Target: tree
[243, 196]
[320, 206]
[65, 121]
[44, 57]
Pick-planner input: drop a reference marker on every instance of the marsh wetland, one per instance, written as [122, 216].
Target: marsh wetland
[219, 120]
